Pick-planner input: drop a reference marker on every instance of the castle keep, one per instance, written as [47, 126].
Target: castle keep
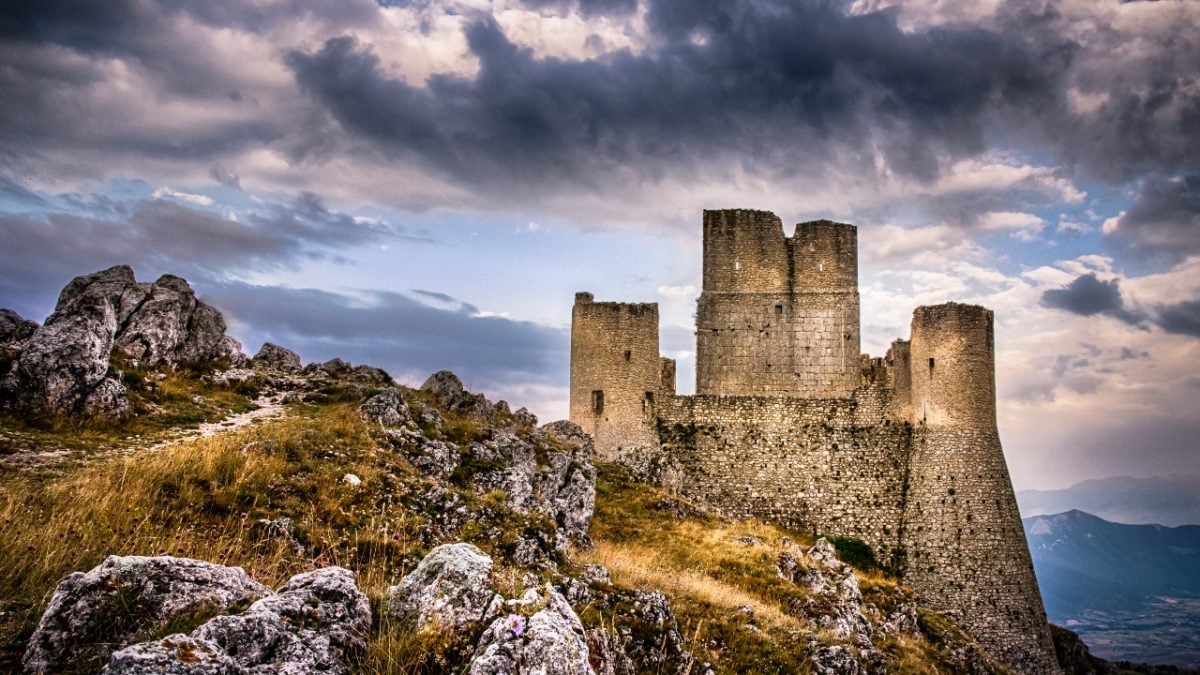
[790, 423]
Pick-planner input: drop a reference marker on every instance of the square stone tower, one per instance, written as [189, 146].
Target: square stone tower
[778, 316]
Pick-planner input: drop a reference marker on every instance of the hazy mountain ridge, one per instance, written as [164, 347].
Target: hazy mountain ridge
[1162, 500]
[1130, 591]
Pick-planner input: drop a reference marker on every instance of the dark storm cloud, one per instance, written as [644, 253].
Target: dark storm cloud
[1164, 219]
[776, 89]
[396, 332]
[1182, 318]
[43, 252]
[1087, 296]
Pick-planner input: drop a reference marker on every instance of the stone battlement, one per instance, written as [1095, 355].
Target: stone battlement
[791, 423]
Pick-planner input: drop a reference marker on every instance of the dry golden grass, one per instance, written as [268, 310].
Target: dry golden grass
[642, 567]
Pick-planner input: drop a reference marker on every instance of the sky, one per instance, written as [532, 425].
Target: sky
[425, 185]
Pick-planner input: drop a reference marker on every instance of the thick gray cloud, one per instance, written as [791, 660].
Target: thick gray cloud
[774, 88]
[396, 332]
[1164, 219]
[1182, 318]
[41, 252]
[1087, 295]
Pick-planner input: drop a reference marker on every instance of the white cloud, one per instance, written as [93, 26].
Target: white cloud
[1111, 224]
[166, 192]
[1022, 226]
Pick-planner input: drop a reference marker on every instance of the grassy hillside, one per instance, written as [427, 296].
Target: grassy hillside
[214, 499]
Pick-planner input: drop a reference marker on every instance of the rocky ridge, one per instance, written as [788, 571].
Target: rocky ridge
[460, 463]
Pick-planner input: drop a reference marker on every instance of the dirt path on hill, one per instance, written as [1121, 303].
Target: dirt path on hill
[269, 407]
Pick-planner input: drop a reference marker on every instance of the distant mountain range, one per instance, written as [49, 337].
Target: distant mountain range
[1164, 500]
[1132, 592]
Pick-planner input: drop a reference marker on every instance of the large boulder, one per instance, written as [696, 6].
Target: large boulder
[171, 327]
[67, 358]
[126, 599]
[449, 393]
[317, 622]
[450, 589]
[550, 640]
[273, 357]
[64, 367]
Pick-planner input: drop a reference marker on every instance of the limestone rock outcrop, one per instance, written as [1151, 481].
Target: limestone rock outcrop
[836, 602]
[64, 366]
[450, 589]
[386, 408]
[448, 390]
[273, 357]
[94, 613]
[550, 640]
[317, 622]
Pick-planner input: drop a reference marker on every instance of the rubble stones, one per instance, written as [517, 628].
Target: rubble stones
[93, 613]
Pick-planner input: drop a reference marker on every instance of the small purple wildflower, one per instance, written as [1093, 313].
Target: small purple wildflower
[516, 623]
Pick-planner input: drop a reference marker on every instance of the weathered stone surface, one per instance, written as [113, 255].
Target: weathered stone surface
[451, 588]
[170, 326]
[64, 365]
[386, 408]
[836, 602]
[108, 399]
[15, 330]
[552, 640]
[448, 390]
[560, 483]
[68, 356]
[317, 622]
[835, 660]
[93, 613]
[565, 484]
[229, 348]
[273, 357]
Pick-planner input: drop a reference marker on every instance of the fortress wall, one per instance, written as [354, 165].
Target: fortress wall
[833, 466]
[616, 374]
[966, 553]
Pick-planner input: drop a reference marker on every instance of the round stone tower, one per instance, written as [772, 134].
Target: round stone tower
[616, 374]
[966, 553]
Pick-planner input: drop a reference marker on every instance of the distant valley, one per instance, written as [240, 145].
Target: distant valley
[1132, 592]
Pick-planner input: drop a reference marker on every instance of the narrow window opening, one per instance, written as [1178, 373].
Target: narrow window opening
[628, 354]
[737, 265]
[778, 310]
[648, 402]
[931, 363]
[598, 401]
[820, 267]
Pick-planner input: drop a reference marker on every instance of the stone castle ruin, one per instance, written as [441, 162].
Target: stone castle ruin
[791, 424]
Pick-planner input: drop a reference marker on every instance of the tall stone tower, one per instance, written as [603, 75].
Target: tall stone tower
[966, 550]
[778, 316]
[616, 373]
